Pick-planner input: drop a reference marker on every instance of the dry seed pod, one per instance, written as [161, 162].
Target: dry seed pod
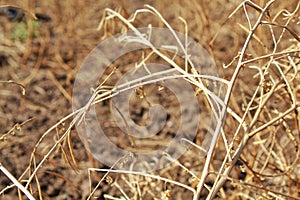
[15, 13]
[12, 13]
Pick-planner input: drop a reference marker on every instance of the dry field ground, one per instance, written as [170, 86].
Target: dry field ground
[249, 149]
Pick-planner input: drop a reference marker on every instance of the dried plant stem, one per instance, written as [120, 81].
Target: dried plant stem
[146, 175]
[16, 182]
[32, 159]
[218, 183]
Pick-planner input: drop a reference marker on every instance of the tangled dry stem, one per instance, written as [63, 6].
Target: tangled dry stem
[255, 141]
